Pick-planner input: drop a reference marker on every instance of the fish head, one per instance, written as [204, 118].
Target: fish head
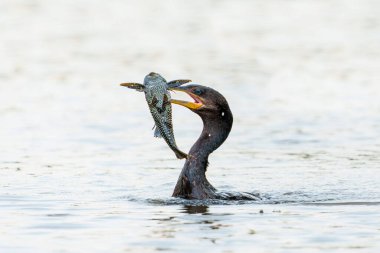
[154, 78]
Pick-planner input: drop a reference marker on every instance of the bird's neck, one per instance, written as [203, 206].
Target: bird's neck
[216, 129]
[192, 182]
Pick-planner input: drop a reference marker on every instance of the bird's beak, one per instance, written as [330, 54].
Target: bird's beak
[196, 105]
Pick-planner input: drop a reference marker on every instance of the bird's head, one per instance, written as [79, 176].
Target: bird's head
[216, 115]
[207, 101]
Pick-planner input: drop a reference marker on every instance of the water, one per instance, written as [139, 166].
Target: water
[80, 170]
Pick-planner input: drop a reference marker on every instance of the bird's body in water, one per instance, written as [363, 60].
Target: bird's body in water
[217, 119]
[158, 98]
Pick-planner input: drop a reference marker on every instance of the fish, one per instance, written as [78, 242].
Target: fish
[158, 98]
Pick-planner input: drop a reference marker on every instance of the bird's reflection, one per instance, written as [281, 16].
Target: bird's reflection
[195, 209]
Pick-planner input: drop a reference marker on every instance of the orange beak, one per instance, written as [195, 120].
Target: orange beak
[196, 105]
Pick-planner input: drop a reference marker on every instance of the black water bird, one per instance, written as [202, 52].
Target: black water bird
[217, 119]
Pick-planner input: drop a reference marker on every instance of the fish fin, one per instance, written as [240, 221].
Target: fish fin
[136, 86]
[157, 132]
[176, 83]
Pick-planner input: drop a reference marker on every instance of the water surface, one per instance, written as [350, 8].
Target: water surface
[80, 170]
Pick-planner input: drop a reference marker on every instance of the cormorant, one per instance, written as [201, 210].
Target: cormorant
[217, 119]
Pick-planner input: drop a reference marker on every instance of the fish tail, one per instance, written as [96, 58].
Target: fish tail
[180, 155]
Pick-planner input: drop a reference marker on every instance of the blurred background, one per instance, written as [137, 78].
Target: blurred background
[303, 63]
[302, 79]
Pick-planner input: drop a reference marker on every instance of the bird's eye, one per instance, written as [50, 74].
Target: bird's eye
[197, 91]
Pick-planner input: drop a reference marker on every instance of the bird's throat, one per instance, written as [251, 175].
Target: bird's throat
[215, 132]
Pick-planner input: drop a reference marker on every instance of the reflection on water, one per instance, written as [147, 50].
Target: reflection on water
[80, 170]
[195, 209]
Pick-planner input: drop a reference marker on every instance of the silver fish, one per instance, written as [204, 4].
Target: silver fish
[156, 92]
